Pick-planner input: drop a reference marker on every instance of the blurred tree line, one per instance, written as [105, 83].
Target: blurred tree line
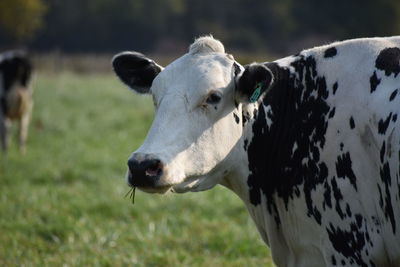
[21, 18]
[279, 26]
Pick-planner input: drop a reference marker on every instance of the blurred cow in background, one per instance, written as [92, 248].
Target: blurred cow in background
[15, 95]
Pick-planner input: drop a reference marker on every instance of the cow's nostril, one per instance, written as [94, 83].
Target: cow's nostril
[154, 168]
[144, 170]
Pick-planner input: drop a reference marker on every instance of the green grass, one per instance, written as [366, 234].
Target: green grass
[63, 202]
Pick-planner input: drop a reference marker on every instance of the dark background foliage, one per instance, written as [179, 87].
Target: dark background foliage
[277, 26]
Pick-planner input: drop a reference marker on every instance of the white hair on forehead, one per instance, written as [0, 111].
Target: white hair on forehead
[206, 44]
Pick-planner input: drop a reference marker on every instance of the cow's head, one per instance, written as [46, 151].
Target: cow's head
[198, 98]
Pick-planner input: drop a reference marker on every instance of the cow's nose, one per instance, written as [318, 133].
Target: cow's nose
[145, 170]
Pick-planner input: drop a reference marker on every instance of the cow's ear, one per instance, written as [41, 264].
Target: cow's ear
[136, 70]
[252, 82]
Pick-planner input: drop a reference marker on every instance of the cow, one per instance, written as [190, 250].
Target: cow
[15, 95]
[309, 142]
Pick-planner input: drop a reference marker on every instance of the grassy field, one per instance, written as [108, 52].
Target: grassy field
[63, 202]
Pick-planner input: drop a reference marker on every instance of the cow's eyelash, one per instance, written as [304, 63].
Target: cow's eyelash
[213, 98]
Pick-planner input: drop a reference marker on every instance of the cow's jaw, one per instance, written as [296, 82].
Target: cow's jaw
[192, 184]
[201, 182]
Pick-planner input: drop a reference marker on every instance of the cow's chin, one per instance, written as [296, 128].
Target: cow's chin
[155, 190]
[193, 184]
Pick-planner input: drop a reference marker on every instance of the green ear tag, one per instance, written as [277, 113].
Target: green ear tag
[253, 98]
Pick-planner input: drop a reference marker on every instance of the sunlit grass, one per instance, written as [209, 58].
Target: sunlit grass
[64, 201]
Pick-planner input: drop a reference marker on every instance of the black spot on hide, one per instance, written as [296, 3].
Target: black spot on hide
[333, 260]
[330, 52]
[388, 60]
[344, 168]
[350, 243]
[332, 113]
[384, 124]
[335, 87]
[386, 202]
[352, 124]
[374, 82]
[393, 95]
[236, 118]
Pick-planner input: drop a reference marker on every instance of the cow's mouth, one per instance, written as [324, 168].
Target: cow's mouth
[178, 188]
[160, 186]
[173, 188]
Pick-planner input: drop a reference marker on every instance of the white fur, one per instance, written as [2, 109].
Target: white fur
[206, 44]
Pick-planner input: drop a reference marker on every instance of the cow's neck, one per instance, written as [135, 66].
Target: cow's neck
[284, 130]
[254, 178]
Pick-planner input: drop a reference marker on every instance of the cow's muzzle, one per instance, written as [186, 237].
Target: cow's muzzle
[145, 170]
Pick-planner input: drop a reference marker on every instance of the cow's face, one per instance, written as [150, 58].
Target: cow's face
[193, 140]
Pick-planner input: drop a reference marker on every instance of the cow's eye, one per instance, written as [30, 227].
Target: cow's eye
[214, 98]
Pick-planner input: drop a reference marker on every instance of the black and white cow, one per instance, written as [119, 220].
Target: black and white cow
[15, 95]
[310, 143]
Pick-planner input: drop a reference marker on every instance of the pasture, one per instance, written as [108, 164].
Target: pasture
[63, 203]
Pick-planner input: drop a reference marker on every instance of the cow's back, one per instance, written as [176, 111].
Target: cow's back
[367, 136]
[346, 203]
